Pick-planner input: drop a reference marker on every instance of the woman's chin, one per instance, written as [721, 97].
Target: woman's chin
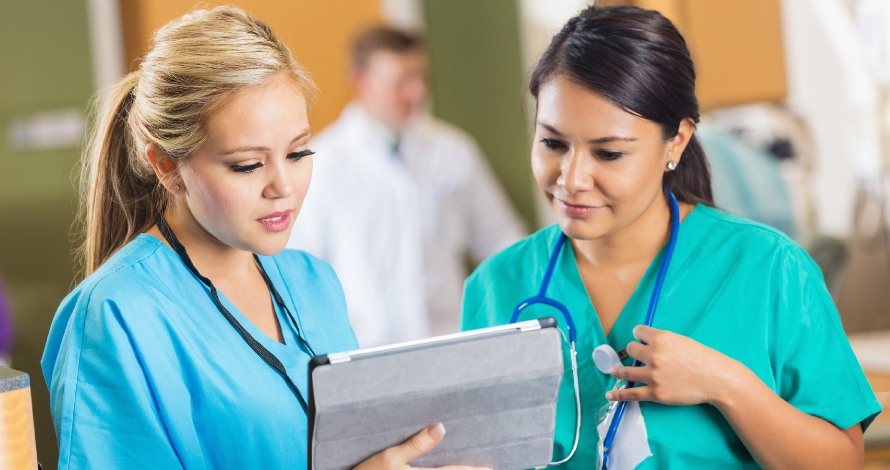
[270, 247]
[580, 228]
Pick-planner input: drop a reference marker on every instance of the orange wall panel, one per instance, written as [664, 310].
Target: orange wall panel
[738, 50]
[736, 46]
[318, 33]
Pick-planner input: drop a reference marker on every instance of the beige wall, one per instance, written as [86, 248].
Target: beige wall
[306, 26]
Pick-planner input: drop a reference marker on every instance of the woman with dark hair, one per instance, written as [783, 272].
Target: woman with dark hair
[742, 340]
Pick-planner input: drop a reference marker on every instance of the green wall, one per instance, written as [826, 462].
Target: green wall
[477, 83]
[44, 66]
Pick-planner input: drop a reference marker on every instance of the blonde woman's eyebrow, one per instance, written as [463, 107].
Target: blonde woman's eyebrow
[259, 148]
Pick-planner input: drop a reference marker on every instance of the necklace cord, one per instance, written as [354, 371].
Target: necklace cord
[278, 300]
[258, 348]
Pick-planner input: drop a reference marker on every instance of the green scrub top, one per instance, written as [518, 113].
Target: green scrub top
[736, 286]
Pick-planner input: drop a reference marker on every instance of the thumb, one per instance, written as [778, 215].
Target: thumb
[421, 443]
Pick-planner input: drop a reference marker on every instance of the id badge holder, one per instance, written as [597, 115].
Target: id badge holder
[631, 444]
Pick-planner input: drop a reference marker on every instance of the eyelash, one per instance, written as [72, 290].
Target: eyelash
[552, 144]
[296, 156]
[293, 156]
[607, 155]
[246, 168]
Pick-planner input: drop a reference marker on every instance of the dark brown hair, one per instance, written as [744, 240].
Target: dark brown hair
[382, 38]
[638, 60]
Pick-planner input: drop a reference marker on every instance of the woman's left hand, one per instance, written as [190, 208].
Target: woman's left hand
[677, 370]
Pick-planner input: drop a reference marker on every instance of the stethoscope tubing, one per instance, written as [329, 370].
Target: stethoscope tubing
[650, 316]
[541, 297]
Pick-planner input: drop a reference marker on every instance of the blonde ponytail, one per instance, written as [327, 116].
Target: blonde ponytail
[196, 62]
[117, 196]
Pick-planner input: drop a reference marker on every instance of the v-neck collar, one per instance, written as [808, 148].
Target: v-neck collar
[291, 353]
[284, 351]
[634, 311]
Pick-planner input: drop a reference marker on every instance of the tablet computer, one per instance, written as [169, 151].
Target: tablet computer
[494, 389]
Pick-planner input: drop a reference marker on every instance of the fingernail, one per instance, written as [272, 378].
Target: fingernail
[614, 370]
[610, 396]
[437, 431]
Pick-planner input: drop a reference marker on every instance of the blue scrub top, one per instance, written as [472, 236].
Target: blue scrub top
[145, 372]
[739, 287]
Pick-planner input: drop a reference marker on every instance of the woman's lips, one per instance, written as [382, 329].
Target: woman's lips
[276, 221]
[577, 210]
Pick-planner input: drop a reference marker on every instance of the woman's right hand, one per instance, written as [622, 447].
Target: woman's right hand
[397, 458]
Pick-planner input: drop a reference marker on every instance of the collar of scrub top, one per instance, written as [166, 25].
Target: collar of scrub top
[541, 298]
[255, 345]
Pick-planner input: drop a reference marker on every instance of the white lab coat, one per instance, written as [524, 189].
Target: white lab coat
[398, 227]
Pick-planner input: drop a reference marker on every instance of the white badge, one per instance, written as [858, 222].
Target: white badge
[631, 444]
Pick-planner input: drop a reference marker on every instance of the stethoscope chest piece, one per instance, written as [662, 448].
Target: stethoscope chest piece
[605, 358]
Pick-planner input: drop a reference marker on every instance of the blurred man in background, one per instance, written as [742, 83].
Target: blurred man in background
[400, 201]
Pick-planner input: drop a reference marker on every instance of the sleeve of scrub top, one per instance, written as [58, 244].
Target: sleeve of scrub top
[109, 416]
[814, 365]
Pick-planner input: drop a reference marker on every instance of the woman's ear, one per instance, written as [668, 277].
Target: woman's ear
[165, 168]
[677, 144]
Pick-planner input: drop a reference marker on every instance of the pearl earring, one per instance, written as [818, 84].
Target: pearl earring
[671, 165]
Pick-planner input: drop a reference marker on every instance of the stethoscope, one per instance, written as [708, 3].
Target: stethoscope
[604, 356]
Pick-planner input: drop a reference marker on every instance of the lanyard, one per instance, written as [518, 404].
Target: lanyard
[258, 348]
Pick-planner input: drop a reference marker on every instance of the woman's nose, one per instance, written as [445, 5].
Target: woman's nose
[576, 172]
[279, 184]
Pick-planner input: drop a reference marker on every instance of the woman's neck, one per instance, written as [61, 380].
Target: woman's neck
[213, 258]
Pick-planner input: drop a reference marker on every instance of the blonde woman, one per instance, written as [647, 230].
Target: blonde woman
[186, 346]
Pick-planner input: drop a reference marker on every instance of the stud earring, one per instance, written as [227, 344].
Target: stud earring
[176, 187]
[671, 165]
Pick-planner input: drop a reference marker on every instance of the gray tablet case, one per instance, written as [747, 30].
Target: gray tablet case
[494, 390]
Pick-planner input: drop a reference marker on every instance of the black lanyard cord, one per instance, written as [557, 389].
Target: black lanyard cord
[258, 348]
[280, 302]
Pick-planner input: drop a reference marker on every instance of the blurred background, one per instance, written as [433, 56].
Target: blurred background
[794, 95]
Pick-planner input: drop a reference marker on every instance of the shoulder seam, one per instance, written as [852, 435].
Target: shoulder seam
[730, 219]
